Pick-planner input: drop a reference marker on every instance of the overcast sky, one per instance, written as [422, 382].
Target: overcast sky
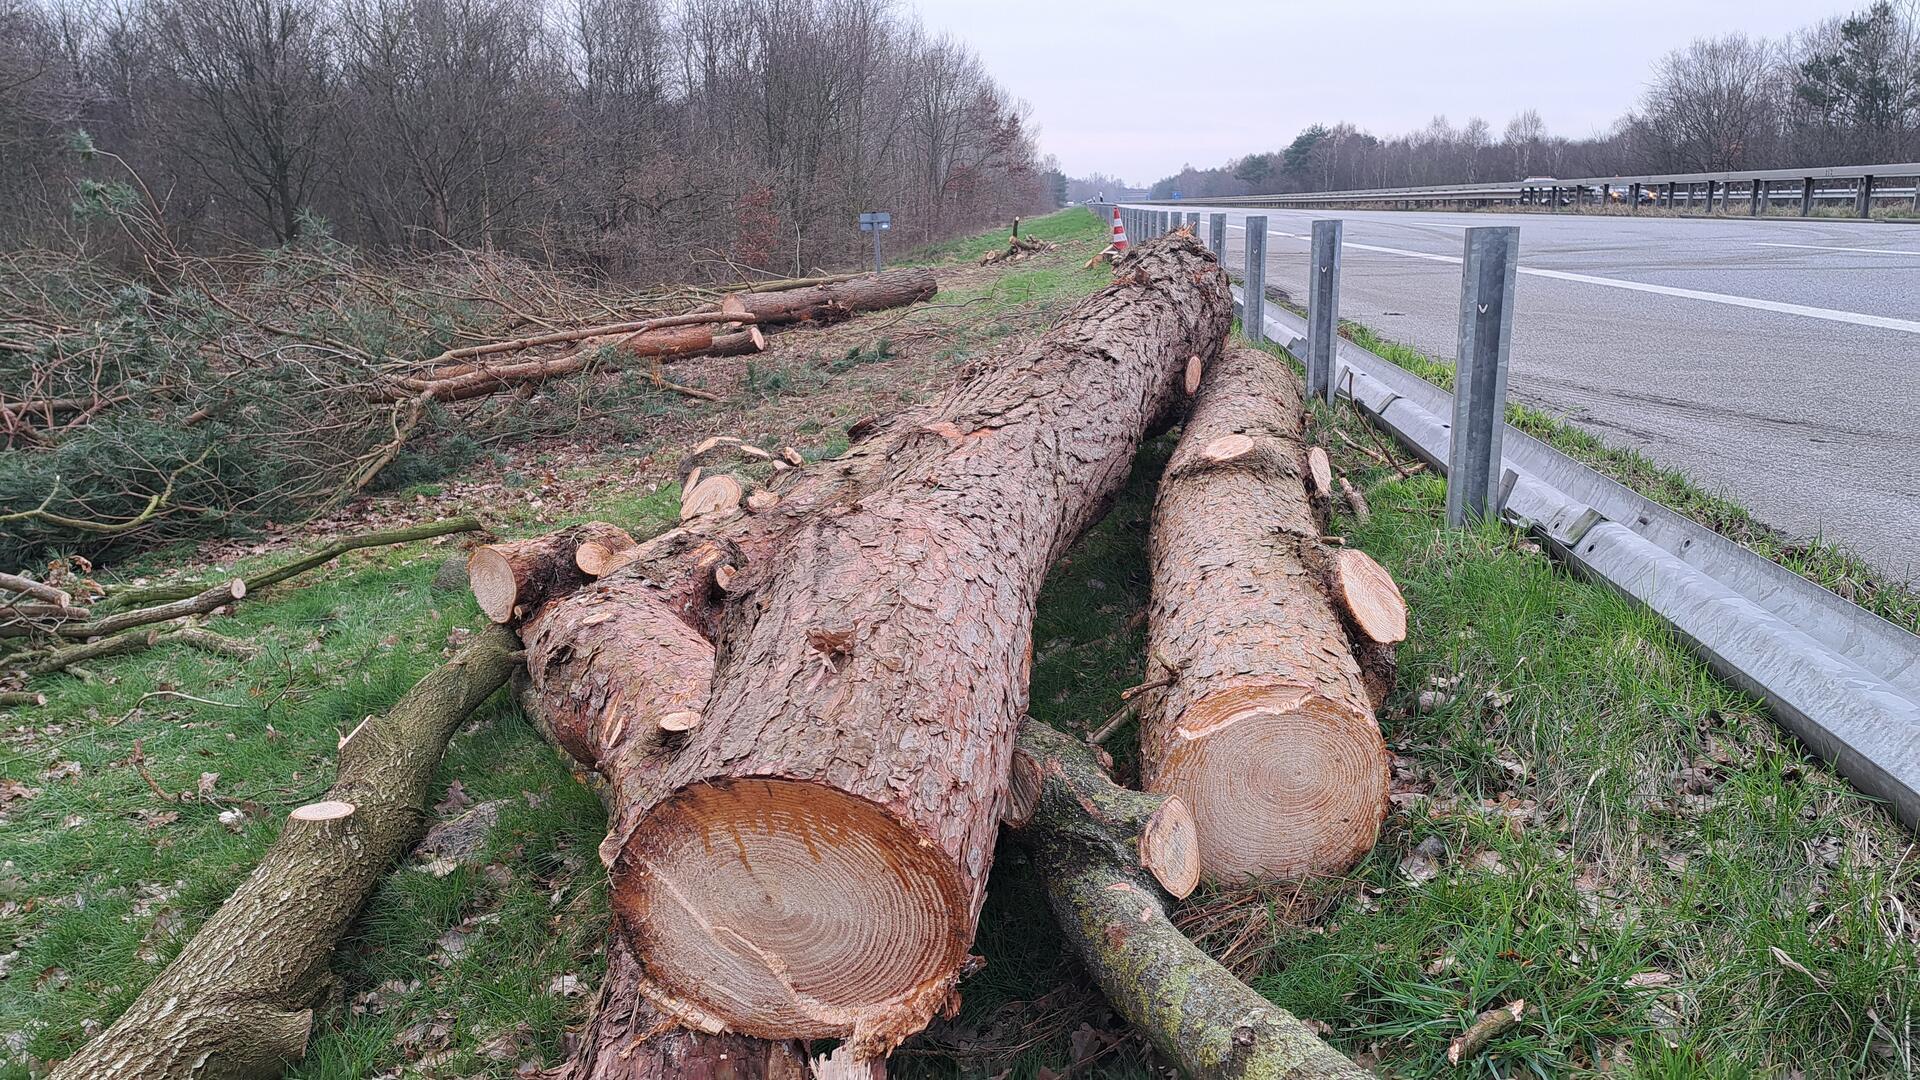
[1137, 89]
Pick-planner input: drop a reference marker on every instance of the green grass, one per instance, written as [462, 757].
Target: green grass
[1818, 559]
[1558, 729]
[1072, 225]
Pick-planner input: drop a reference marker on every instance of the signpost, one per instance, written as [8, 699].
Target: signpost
[876, 223]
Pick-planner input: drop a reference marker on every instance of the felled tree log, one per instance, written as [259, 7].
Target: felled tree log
[1266, 726]
[512, 578]
[835, 300]
[665, 336]
[575, 697]
[1093, 845]
[808, 856]
[238, 1001]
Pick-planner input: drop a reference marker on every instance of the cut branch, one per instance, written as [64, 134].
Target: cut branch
[156, 594]
[1104, 854]
[238, 1001]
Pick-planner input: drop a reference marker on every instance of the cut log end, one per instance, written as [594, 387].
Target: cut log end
[330, 810]
[1195, 368]
[792, 909]
[1227, 448]
[602, 556]
[490, 575]
[1283, 783]
[681, 721]
[711, 495]
[762, 501]
[1319, 472]
[1170, 848]
[237, 588]
[1370, 597]
[1024, 783]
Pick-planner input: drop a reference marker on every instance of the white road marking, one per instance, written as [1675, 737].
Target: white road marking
[1844, 250]
[1856, 318]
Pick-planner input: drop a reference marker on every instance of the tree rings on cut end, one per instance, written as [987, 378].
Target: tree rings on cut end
[491, 577]
[762, 500]
[1320, 472]
[1371, 598]
[331, 810]
[237, 588]
[1228, 447]
[1170, 848]
[710, 495]
[1194, 370]
[788, 909]
[1284, 783]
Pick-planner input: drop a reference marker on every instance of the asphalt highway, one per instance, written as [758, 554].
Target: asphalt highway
[1776, 362]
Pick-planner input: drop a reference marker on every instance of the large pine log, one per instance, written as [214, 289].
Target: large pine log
[836, 300]
[1094, 845]
[808, 854]
[1266, 727]
[575, 695]
[237, 1003]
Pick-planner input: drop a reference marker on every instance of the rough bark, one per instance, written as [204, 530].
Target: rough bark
[837, 300]
[1085, 836]
[513, 578]
[1266, 725]
[851, 755]
[626, 1038]
[238, 1001]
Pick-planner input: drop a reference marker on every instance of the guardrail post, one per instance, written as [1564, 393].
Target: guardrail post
[1633, 198]
[1253, 311]
[1753, 198]
[1217, 236]
[1866, 196]
[1711, 184]
[1606, 196]
[1806, 196]
[1554, 195]
[1323, 308]
[1488, 271]
[1166, 222]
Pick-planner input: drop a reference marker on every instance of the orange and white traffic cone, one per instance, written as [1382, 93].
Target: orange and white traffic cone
[1119, 232]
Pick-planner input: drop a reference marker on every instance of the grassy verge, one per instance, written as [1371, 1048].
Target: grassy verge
[1611, 833]
[1821, 561]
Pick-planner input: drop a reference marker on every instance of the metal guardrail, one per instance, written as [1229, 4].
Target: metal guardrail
[1759, 188]
[1842, 679]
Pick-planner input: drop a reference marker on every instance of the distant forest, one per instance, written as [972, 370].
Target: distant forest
[649, 139]
[1843, 92]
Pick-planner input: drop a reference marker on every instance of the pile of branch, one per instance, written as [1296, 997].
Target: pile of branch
[253, 387]
[1018, 247]
[804, 720]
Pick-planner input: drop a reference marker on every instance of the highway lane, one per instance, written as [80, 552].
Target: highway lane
[1775, 362]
